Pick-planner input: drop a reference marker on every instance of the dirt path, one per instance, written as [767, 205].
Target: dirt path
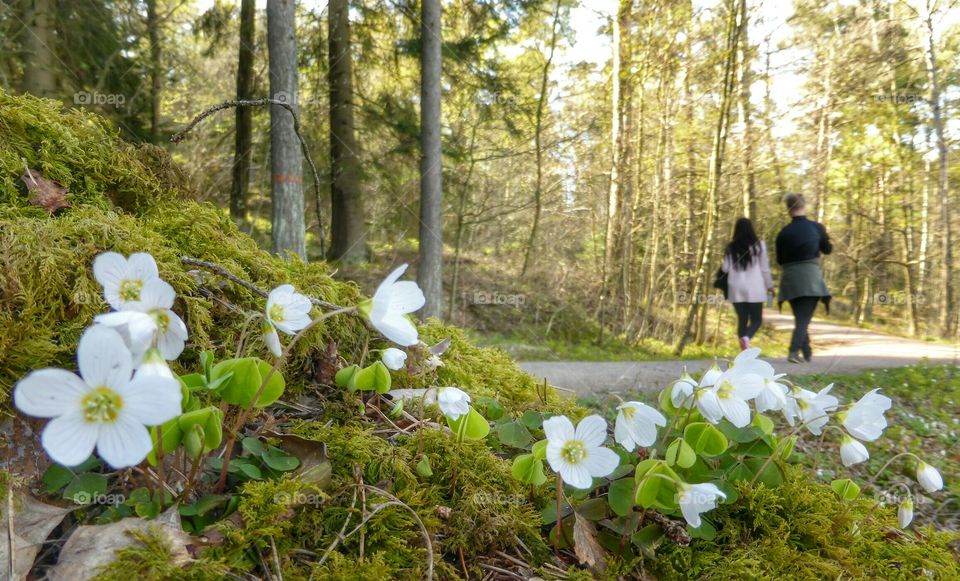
[836, 349]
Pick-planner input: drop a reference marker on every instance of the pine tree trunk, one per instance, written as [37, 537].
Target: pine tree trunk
[287, 204]
[156, 78]
[39, 74]
[240, 185]
[349, 242]
[430, 273]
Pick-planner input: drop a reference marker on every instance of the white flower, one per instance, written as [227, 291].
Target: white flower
[852, 452]
[695, 499]
[711, 376]
[929, 478]
[453, 402]
[864, 420]
[748, 362]
[150, 320]
[578, 455]
[153, 365]
[123, 278]
[637, 425]
[287, 309]
[394, 358]
[812, 408]
[271, 339]
[773, 396]
[389, 306]
[102, 407]
[681, 394]
[728, 397]
[905, 513]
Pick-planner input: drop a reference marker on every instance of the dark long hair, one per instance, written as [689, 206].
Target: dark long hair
[745, 246]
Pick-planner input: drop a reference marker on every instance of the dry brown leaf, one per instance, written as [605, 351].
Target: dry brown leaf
[47, 194]
[315, 467]
[33, 521]
[90, 547]
[585, 545]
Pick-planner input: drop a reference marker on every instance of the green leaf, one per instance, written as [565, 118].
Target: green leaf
[206, 362]
[771, 475]
[55, 478]
[620, 496]
[666, 401]
[763, 422]
[193, 381]
[705, 439]
[172, 437]
[280, 461]
[846, 489]
[85, 488]
[470, 426]
[786, 450]
[593, 509]
[531, 419]
[423, 467]
[742, 435]
[539, 450]
[680, 453]
[656, 485]
[343, 377]
[528, 469]
[705, 531]
[490, 408]
[381, 377]
[514, 434]
[254, 446]
[248, 374]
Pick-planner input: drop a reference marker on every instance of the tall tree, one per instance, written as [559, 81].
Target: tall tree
[243, 151]
[349, 242]
[156, 79]
[39, 73]
[286, 163]
[430, 273]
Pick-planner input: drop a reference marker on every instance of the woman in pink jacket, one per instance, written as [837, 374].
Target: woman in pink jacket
[748, 279]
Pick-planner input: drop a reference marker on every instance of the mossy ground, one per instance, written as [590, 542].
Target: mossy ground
[132, 200]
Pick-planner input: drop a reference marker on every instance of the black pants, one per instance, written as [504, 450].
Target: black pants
[749, 317]
[803, 308]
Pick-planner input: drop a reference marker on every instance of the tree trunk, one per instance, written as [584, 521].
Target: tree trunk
[538, 138]
[288, 230]
[156, 78]
[347, 222]
[39, 74]
[240, 186]
[749, 185]
[430, 273]
[943, 194]
[715, 173]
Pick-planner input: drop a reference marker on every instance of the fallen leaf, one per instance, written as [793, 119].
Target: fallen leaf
[33, 521]
[47, 194]
[315, 467]
[441, 347]
[91, 547]
[585, 545]
[322, 364]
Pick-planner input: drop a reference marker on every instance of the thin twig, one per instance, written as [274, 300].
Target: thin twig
[11, 548]
[178, 137]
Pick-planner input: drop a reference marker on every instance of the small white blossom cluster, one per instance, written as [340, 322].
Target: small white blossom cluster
[124, 384]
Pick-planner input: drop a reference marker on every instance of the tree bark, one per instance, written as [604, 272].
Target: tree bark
[430, 273]
[240, 185]
[156, 78]
[348, 230]
[288, 230]
[39, 74]
[749, 183]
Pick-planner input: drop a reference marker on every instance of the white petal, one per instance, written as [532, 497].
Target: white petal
[576, 475]
[384, 289]
[592, 431]
[103, 358]
[554, 458]
[141, 265]
[109, 268]
[681, 394]
[272, 340]
[171, 342]
[124, 442]
[853, 452]
[394, 358]
[156, 294]
[558, 429]
[48, 393]
[623, 434]
[69, 439]
[736, 410]
[709, 405]
[406, 297]
[398, 329]
[600, 462]
[151, 400]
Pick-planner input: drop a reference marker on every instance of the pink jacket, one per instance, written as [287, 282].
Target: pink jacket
[750, 285]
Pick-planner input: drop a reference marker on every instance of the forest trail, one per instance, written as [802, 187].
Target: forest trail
[836, 349]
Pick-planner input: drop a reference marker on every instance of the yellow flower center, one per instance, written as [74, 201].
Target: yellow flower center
[573, 452]
[162, 320]
[130, 289]
[725, 390]
[276, 313]
[629, 412]
[802, 404]
[102, 405]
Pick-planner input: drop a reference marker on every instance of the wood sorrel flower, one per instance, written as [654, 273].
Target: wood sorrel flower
[102, 407]
[388, 309]
[578, 455]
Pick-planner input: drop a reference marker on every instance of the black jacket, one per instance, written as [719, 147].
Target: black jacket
[802, 239]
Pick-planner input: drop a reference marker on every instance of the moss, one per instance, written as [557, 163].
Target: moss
[802, 530]
[152, 559]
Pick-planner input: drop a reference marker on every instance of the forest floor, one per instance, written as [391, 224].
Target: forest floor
[837, 349]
